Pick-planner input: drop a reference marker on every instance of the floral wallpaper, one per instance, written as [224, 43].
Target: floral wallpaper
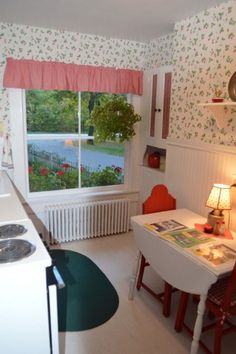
[19, 41]
[44, 44]
[202, 50]
[204, 58]
[160, 52]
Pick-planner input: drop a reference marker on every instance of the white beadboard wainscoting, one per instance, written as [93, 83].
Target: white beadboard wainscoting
[149, 178]
[192, 170]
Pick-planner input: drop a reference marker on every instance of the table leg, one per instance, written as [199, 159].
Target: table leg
[134, 276]
[198, 324]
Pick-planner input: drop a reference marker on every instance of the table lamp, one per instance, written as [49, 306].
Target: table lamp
[218, 200]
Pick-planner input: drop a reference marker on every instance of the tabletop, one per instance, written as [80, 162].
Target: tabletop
[180, 266]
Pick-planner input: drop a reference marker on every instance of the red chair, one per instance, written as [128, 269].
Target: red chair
[159, 200]
[221, 302]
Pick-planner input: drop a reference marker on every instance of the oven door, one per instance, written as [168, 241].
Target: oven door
[54, 281]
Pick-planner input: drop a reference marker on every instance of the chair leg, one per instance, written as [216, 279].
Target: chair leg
[218, 335]
[181, 311]
[167, 300]
[141, 271]
[210, 315]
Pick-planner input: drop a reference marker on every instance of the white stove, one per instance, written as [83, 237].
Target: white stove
[28, 304]
[22, 230]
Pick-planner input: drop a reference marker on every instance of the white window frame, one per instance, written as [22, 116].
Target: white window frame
[20, 158]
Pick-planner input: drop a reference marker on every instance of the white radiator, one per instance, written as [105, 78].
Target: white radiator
[81, 220]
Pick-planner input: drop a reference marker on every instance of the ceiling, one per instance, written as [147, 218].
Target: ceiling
[140, 20]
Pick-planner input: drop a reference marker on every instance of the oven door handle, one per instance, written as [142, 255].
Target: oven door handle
[60, 282]
[54, 277]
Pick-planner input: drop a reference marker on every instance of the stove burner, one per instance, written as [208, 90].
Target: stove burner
[11, 230]
[13, 250]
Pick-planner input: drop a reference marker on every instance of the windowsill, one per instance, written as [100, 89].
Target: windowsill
[45, 196]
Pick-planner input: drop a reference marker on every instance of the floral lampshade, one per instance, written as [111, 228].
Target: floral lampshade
[219, 198]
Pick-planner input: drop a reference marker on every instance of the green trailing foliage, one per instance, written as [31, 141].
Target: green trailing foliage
[114, 120]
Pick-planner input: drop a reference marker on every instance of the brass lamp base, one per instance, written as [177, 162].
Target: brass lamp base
[212, 219]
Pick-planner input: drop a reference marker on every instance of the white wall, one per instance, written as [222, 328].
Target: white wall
[192, 170]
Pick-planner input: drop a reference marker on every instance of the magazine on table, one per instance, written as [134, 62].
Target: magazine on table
[165, 226]
[216, 254]
[178, 233]
[186, 237]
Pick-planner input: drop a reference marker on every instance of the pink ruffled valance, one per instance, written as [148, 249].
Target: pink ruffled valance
[47, 75]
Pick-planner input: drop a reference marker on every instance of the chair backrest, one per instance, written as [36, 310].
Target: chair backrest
[230, 290]
[159, 200]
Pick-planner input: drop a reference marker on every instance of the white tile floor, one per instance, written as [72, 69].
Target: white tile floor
[138, 326]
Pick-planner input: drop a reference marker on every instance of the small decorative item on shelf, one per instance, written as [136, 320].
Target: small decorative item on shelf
[217, 97]
[217, 100]
[154, 160]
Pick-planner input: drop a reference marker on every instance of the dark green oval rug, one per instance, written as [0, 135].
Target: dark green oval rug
[89, 299]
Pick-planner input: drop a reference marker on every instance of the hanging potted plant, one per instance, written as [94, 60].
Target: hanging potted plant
[114, 120]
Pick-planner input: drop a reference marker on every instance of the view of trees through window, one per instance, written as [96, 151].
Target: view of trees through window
[62, 153]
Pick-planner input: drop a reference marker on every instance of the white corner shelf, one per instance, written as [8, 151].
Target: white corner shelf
[154, 170]
[220, 110]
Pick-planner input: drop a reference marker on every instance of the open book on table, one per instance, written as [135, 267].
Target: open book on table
[173, 231]
[216, 254]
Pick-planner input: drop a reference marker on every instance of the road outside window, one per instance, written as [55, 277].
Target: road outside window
[62, 153]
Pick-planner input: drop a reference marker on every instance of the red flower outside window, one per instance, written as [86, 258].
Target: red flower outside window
[66, 165]
[60, 173]
[43, 171]
[118, 169]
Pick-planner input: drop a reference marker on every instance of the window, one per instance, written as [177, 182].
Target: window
[61, 150]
